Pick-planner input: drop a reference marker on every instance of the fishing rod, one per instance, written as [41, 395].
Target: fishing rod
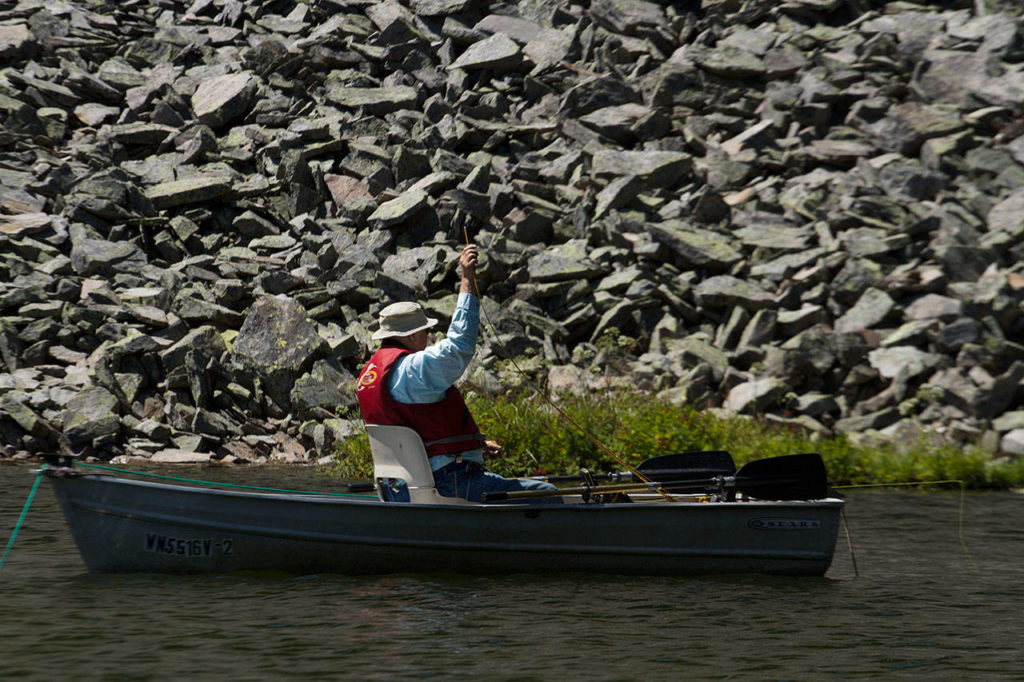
[790, 477]
[558, 410]
[672, 467]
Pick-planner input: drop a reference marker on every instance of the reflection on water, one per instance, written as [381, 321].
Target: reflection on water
[921, 607]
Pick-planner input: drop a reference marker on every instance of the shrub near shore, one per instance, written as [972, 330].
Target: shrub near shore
[537, 440]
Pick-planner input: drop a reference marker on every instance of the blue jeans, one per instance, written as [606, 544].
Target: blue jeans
[469, 480]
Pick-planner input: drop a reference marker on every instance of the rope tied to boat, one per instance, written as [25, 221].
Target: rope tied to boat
[221, 484]
[21, 518]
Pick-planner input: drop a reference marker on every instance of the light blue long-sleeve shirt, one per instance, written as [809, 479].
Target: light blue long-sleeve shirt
[424, 376]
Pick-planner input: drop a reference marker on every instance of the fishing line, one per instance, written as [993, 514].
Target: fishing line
[562, 413]
[960, 513]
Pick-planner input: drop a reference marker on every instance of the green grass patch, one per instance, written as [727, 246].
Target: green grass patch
[539, 440]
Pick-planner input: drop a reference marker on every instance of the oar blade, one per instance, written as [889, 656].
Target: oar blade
[687, 466]
[790, 477]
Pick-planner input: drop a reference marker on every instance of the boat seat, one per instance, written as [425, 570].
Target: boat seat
[398, 452]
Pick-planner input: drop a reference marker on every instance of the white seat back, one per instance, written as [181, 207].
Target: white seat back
[398, 452]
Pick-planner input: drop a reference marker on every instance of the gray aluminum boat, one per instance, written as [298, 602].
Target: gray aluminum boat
[126, 525]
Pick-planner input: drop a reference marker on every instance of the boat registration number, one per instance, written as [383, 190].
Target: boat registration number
[188, 547]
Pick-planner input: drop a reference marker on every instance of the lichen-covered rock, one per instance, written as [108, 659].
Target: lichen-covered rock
[327, 385]
[695, 247]
[726, 291]
[655, 168]
[91, 415]
[374, 100]
[870, 309]
[188, 191]
[400, 209]
[277, 342]
[563, 262]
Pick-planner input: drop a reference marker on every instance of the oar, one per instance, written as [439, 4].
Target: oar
[678, 466]
[790, 477]
[685, 466]
[694, 460]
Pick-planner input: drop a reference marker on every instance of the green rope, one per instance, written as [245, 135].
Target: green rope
[21, 519]
[218, 483]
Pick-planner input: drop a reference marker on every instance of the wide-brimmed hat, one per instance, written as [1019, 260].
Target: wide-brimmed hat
[402, 319]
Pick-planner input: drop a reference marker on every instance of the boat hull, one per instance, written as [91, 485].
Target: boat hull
[123, 525]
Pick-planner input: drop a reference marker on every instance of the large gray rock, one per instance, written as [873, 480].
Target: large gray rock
[726, 291]
[93, 414]
[890, 362]
[550, 46]
[729, 62]
[90, 257]
[205, 342]
[871, 309]
[1008, 215]
[656, 168]
[697, 248]
[16, 41]
[499, 53]
[567, 261]
[400, 209]
[188, 191]
[518, 29]
[13, 405]
[627, 16]
[374, 100]
[327, 385]
[221, 99]
[934, 306]
[755, 396]
[278, 342]
[1013, 442]
[621, 122]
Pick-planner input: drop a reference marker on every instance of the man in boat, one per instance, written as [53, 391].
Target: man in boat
[410, 383]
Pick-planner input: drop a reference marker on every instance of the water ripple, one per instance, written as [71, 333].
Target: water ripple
[918, 608]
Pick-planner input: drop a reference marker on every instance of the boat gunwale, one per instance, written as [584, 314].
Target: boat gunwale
[335, 499]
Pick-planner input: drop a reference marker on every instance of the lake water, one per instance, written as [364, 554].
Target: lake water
[921, 608]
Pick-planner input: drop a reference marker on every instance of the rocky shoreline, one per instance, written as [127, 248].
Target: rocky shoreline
[809, 210]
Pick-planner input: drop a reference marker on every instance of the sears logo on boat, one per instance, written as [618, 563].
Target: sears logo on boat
[764, 523]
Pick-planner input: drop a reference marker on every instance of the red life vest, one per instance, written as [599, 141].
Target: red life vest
[446, 426]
